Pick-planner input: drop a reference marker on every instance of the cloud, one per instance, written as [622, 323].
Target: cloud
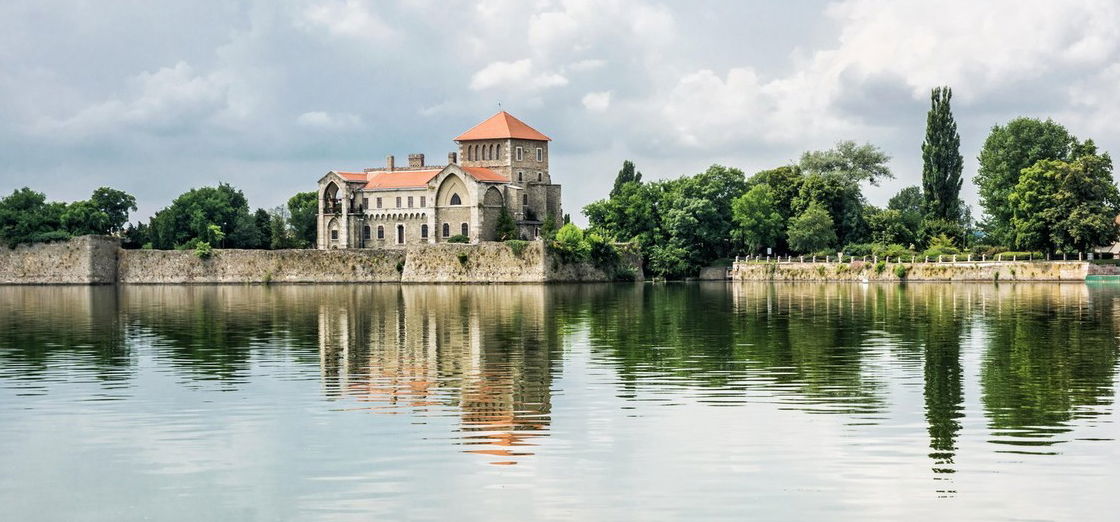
[165, 100]
[597, 101]
[518, 75]
[348, 19]
[329, 121]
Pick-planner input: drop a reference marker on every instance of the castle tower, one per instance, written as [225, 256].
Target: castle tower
[519, 152]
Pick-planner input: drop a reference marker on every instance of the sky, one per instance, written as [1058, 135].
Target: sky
[155, 98]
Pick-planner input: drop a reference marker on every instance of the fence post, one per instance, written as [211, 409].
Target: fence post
[913, 257]
[927, 259]
[1014, 257]
[801, 259]
[983, 257]
[969, 258]
[814, 259]
[954, 258]
[938, 258]
[1079, 256]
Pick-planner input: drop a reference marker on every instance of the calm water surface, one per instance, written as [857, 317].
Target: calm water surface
[678, 401]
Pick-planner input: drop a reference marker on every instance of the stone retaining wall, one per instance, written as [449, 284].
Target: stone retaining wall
[97, 260]
[88, 260]
[961, 271]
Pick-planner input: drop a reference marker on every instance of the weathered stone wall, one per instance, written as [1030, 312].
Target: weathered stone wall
[82, 260]
[962, 271]
[260, 266]
[95, 260]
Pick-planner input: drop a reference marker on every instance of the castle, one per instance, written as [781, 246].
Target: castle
[501, 162]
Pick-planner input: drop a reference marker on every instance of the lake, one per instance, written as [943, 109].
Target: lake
[589, 402]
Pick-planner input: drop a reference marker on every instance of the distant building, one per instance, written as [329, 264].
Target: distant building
[500, 162]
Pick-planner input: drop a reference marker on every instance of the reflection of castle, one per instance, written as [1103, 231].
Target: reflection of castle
[480, 352]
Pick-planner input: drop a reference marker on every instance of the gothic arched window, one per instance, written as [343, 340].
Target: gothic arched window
[446, 230]
[456, 200]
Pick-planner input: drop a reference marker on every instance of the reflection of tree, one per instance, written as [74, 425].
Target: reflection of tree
[42, 327]
[944, 396]
[486, 353]
[1051, 358]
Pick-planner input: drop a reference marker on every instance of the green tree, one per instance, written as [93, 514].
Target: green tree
[888, 227]
[628, 174]
[941, 159]
[505, 228]
[1006, 152]
[909, 203]
[116, 205]
[856, 163]
[280, 234]
[832, 180]
[27, 217]
[785, 183]
[812, 230]
[83, 217]
[758, 221]
[190, 214]
[304, 210]
[1066, 206]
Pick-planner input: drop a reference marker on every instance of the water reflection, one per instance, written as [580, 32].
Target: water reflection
[484, 354]
[485, 361]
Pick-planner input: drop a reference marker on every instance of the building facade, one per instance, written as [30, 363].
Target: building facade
[501, 162]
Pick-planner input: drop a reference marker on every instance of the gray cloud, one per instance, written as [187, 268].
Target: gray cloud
[158, 98]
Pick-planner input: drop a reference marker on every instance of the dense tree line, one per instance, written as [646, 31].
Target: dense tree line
[1041, 189]
[217, 217]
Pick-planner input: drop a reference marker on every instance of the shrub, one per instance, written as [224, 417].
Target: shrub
[517, 246]
[880, 267]
[625, 274]
[941, 245]
[602, 252]
[894, 251]
[458, 238]
[901, 270]
[463, 258]
[203, 250]
[570, 243]
[1007, 256]
[400, 267]
[859, 249]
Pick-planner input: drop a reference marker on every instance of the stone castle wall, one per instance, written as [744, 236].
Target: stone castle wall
[961, 271]
[82, 260]
[100, 260]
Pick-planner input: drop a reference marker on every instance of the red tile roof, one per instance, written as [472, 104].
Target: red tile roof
[400, 179]
[484, 174]
[501, 126]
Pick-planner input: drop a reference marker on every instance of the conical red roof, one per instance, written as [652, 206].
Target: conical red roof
[501, 126]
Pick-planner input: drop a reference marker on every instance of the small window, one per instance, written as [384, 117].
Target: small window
[524, 200]
[334, 234]
[464, 229]
[520, 156]
[365, 202]
[520, 176]
[380, 232]
[455, 200]
[400, 234]
[540, 177]
[423, 201]
[378, 202]
[365, 232]
[540, 154]
[424, 231]
[446, 230]
[410, 202]
[498, 152]
[398, 202]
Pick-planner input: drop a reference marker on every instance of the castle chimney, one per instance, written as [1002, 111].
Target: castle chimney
[389, 162]
[415, 160]
[453, 158]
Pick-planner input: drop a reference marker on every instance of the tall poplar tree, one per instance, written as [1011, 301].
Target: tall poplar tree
[941, 160]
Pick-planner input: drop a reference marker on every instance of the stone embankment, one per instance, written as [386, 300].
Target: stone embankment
[100, 260]
[859, 271]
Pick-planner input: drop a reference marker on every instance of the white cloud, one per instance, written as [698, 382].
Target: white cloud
[168, 98]
[348, 18]
[597, 101]
[329, 121]
[519, 75]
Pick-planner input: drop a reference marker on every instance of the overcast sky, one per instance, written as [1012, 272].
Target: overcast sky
[157, 97]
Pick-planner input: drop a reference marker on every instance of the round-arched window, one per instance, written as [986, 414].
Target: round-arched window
[464, 229]
[446, 230]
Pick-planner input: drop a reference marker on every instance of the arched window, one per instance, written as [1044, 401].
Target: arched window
[485, 152]
[464, 229]
[365, 232]
[498, 151]
[540, 177]
[446, 230]
[456, 200]
[520, 176]
[400, 234]
[424, 231]
[524, 200]
[380, 232]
